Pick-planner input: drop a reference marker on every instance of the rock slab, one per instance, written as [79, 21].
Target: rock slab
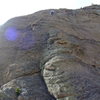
[51, 55]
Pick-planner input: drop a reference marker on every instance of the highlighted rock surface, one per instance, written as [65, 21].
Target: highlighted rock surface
[51, 55]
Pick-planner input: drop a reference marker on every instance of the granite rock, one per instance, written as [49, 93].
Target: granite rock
[51, 55]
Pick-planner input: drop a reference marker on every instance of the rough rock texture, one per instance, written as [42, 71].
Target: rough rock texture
[51, 55]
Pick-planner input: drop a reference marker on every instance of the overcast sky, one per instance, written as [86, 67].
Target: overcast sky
[12, 8]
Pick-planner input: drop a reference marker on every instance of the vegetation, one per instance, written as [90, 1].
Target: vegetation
[18, 91]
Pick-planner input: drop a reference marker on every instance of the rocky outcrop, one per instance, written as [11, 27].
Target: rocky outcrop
[51, 55]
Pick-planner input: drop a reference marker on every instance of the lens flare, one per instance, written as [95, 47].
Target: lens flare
[11, 34]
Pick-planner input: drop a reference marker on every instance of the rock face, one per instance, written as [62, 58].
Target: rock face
[51, 55]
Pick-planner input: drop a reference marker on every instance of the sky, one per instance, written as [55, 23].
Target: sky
[13, 8]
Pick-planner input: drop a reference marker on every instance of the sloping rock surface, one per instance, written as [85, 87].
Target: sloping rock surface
[51, 55]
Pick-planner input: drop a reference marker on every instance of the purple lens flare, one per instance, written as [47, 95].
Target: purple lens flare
[11, 34]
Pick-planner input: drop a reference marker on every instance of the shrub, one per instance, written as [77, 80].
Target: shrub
[18, 91]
